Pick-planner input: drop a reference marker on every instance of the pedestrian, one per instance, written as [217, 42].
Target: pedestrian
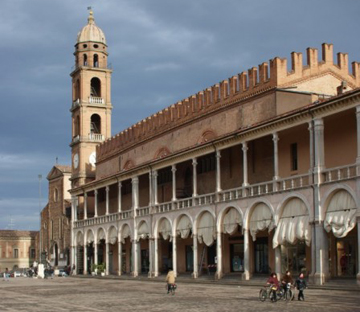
[301, 285]
[274, 284]
[170, 279]
[286, 279]
[6, 275]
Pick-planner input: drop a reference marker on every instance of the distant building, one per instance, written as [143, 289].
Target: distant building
[55, 223]
[17, 249]
[257, 173]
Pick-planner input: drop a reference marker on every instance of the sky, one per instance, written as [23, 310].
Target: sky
[161, 52]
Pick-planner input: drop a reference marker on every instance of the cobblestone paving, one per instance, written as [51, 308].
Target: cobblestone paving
[79, 294]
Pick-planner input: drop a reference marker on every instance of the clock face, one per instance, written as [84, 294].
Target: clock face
[76, 160]
[92, 159]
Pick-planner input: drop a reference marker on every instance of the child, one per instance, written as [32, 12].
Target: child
[170, 279]
[301, 285]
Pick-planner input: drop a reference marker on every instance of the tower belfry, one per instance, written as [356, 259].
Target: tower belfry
[91, 100]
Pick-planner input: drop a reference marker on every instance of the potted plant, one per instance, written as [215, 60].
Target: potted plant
[94, 269]
[101, 269]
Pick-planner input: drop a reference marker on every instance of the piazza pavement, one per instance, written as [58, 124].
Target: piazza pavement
[108, 294]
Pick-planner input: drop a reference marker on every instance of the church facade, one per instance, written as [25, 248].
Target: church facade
[258, 173]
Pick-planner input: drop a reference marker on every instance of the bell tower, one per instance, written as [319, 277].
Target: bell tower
[91, 101]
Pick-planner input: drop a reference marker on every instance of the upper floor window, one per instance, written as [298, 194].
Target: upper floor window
[16, 253]
[96, 60]
[95, 87]
[85, 63]
[294, 157]
[56, 195]
[95, 124]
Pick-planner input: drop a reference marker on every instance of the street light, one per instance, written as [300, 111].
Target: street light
[40, 177]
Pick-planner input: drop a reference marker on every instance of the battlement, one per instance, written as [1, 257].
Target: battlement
[256, 80]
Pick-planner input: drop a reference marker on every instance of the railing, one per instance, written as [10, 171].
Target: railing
[259, 189]
[96, 100]
[87, 65]
[96, 137]
[144, 211]
[339, 173]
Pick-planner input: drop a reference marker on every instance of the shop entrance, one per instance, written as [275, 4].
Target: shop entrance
[189, 258]
[145, 261]
[293, 258]
[261, 255]
[346, 257]
[237, 257]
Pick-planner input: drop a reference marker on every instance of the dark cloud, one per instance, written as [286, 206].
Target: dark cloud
[161, 51]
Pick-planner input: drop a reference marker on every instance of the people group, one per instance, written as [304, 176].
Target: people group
[274, 283]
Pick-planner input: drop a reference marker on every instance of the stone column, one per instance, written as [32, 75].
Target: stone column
[85, 206]
[119, 257]
[219, 264]
[246, 255]
[358, 133]
[276, 156]
[96, 203]
[156, 256]
[311, 147]
[107, 258]
[278, 261]
[135, 262]
[107, 189]
[173, 169]
[75, 260]
[95, 253]
[119, 196]
[194, 163]
[358, 251]
[174, 254]
[150, 189]
[218, 171]
[322, 254]
[319, 148]
[151, 257]
[76, 208]
[135, 193]
[245, 164]
[155, 175]
[85, 260]
[196, 262]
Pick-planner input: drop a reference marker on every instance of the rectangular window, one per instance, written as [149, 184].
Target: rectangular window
[294, 157]
[16, 253]
[32, 253]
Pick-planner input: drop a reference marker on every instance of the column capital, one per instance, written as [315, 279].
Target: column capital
[107, 188]
[135, 180]
[85, 195]
[96, 192]
[218, 154]
[119, 184]
[173, 168]
[244, 146]
[319, 122]
[275, 137]
[155, 173]
[194, 162]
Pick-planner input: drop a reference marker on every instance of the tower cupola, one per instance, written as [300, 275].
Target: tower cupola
[91, 32]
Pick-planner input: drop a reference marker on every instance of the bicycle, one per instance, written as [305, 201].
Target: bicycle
[288, 293]
[267, 292]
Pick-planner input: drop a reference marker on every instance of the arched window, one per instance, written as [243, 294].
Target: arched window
[85, 60]
[77, 90]
[95, 125]
[95, 87]
[96, 60]
[56, 195]
[77, 126]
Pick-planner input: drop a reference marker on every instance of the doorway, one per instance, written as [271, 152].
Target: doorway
[261, 256]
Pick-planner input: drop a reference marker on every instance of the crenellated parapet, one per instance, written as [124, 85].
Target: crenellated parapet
[268, 75]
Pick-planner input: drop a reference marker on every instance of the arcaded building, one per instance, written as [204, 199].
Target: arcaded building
[255, 174]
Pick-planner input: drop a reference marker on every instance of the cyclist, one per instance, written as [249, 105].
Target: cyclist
[273, 280]
[170, 279]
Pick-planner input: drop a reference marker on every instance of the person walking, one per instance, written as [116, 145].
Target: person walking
[6, 275]
[301, 285]
[170, 279]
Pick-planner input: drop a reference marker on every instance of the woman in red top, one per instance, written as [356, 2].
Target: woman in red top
[273, 280]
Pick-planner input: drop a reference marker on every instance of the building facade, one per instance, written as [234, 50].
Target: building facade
[55, 221]
[255, 174]
[17, 249]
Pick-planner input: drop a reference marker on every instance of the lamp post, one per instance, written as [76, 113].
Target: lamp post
[40, 177]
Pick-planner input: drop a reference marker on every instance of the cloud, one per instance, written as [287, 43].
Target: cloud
[163, 67]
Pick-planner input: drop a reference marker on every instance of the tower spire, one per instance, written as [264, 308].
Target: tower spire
[91, 15]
